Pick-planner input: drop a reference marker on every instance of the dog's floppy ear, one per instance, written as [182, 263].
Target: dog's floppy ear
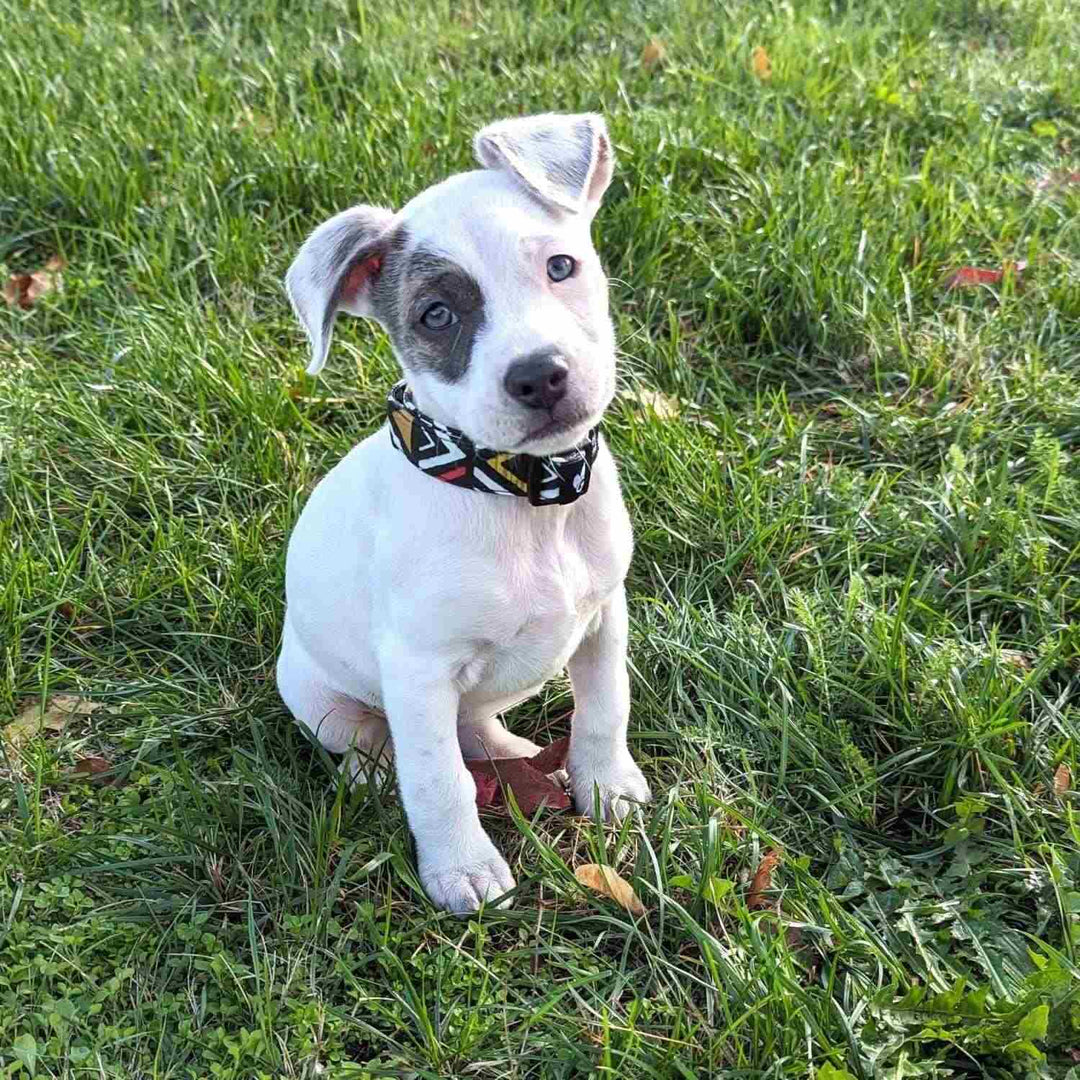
[334, 271]
[566, 161]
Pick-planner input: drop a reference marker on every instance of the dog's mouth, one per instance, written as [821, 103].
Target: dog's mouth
[553, 428]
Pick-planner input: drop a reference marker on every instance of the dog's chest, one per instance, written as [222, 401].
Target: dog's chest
[549, 589]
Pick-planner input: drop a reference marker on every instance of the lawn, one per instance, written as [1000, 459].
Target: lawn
[854, 601]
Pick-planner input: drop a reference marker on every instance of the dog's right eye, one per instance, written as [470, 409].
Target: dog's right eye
[438, 317]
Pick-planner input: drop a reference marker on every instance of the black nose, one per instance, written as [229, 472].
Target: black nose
[537, 381]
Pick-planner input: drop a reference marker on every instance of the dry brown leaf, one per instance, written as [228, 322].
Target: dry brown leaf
[34, 720]
[247, 117]
[653, 54]
[24, 290]
[665, 407]
[1017, 658]
[762, 881]
[92, 767]
[604, 880]
[1062, 779]
[761, 64]
[1059, 178]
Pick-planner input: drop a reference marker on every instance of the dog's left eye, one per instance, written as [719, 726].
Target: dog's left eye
[438, 317]
[560, 267]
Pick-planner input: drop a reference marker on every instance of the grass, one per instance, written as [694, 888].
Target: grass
[854, 598]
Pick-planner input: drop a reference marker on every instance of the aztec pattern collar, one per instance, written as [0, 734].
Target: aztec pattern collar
[449, 455]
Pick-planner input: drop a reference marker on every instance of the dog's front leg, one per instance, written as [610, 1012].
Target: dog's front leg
[599, 758]
[459, 865]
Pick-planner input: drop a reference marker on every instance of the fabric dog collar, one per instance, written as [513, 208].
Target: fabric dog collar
[449, 455]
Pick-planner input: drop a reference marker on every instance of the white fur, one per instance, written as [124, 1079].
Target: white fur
[441, 608]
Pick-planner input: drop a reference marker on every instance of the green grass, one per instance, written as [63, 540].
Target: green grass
[854, 598]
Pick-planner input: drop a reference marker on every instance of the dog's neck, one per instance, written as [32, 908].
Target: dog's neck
[449, 455]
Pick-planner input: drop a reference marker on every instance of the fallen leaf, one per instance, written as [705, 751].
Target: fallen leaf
[528, 778]
[93, 766]
[1017, 658]
[604, 880]
[34, 720]
[663, 406]
[761, 64]
[259, 122]
[654, 53]
[762, 881]
[487, 788]
[24, 290]
[970, 276]
[1059, 178]
[1062, 779]
[552, 757]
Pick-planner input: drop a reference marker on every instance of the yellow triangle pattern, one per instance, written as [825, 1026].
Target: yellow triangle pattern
[404, 422]
[496, 463]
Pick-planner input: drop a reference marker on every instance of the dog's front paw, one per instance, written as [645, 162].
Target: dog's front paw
[462, 887]
[620, 782]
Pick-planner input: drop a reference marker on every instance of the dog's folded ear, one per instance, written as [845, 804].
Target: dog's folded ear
[566, 161]
[335, 270]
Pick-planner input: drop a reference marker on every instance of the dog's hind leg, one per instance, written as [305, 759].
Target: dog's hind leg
[486, 737]
[341, 724]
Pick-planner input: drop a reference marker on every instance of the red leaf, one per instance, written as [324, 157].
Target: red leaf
[527, 777]
[553, 757]
[969, 276]
[487, 788]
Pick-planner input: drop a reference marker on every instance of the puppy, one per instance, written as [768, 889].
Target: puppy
[475, 545]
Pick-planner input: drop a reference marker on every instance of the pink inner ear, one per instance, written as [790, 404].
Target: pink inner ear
[359, 275]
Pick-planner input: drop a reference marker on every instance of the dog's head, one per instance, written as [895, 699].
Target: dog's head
[487, 284]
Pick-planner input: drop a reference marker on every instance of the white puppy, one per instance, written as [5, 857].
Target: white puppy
[421, 592]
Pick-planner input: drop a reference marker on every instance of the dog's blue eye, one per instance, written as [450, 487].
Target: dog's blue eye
[560, 267]
[438, 317]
